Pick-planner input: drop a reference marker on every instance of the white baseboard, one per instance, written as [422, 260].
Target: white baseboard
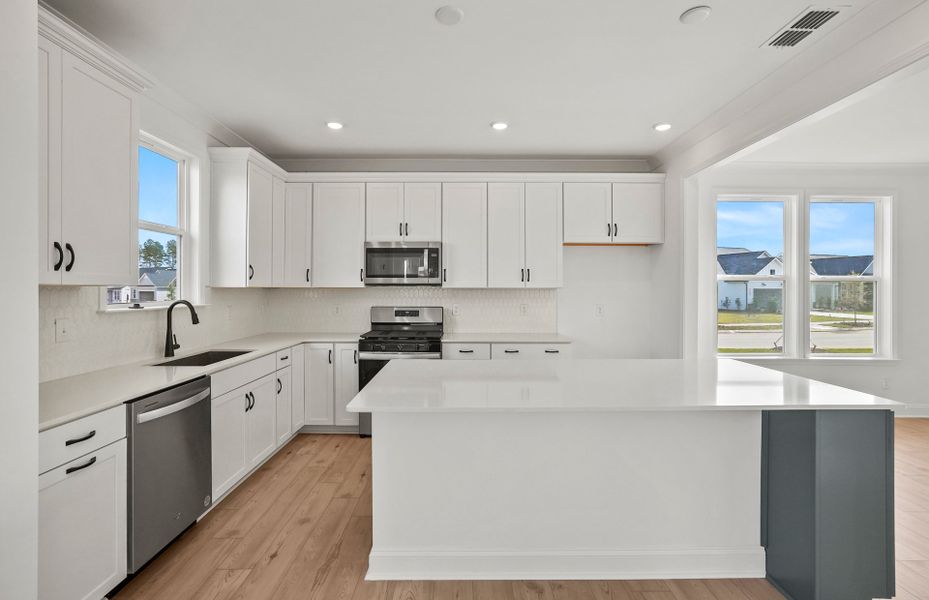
[689, 563]
[920, 411]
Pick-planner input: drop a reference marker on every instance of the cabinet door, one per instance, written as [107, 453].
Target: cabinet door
[261, 422]
[260, 229]
[227, 425]
[338, 234]
[320, 384]
[464, 235]
[543, 235]
[278, 231]
[49, 162]
[82, 526]
[506, 242]
[284, 405]
[297, 227]
[638, 211]
[588, 213]
[346, 382]
[422, 212]
[298, 386]
[99, 177]
[384, 212]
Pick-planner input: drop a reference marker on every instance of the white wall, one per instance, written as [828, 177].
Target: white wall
[19, 465]
[905, 376]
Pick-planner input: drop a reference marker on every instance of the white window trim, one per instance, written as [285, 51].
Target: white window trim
[187, 281]
[797, 285]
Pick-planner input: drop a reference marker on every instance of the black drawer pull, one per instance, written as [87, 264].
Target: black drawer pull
[467, 351]
[70, 470]
[284, 357]
[511, 351]
[81, 439]
[552, 351]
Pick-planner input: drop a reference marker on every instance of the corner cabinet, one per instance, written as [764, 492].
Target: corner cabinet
[524, 235]
[88, 171]
[244, 187]
[293, 224]
[629, 213]
[338, 234]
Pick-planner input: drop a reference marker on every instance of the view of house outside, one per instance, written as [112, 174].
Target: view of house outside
[750, 270]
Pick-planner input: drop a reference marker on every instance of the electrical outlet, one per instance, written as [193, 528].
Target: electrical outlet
[336, 310]
[62, 330]
[456, 310]
[885, 383]
[228, 313]
[524, 309]
[599, 311]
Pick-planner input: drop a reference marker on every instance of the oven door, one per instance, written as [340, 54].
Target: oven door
[398, 263]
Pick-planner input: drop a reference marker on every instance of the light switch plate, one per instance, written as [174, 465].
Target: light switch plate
[62, 330]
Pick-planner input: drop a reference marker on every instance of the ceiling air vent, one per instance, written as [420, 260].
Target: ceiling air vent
[802, 27]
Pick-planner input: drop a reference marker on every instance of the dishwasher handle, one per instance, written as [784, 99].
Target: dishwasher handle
[164, 411]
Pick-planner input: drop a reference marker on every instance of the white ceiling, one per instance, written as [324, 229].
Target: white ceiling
[889, 125]
[586, 78]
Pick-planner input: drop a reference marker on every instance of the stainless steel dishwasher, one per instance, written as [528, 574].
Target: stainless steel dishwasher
[170, 466]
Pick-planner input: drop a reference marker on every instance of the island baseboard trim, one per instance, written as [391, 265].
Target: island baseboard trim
[690, 563]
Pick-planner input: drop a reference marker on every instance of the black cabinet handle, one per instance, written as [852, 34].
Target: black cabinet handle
[284, 357]
[307, 275]
[522, 274]
[466, 351]
[609, 230]
[552, 351]
[330, 356]
[401, 229]
[356, 357]
[61, 256]
[280, 386]
[70, 470]
[361, 275]
[251, 272]
[407, 232]
[445, 275]
[511, 351]
[615, 230]
[70, 250]
[528, 275]
[81, 439]
[251, 401]
[248, 402]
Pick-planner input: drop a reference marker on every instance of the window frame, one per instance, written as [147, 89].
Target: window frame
[798, 280]
[182, 231]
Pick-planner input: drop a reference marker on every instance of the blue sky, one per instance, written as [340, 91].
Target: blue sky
[157, 188]
[835, 227]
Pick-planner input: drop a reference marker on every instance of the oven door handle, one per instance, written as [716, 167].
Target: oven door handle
[172, 408]
[397, 355]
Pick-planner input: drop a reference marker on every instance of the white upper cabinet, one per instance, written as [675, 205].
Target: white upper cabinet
[422, 212]
[618, 213]
[464, 235]
[88, 172]
[398, 212]
[506, 228]
[524, 235]
[248, 192]
[338, 234]
[293, 224]
[588, 213]
[384, 212]
[638, 212]
[544, 250]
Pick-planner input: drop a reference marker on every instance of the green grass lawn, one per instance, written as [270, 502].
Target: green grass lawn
[817, 351]
[746, 351]
[726, 317]
[753, 327]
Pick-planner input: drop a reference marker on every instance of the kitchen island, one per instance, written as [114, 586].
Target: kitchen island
[629, 469]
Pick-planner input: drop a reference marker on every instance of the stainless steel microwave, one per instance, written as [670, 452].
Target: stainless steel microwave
[403, 263]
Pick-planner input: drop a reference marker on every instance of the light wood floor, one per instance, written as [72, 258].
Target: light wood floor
[300, 528]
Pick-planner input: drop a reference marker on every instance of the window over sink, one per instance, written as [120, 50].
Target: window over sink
[162, 235]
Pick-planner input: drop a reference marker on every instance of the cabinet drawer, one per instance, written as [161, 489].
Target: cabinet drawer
[283, 358]
[230, 379]
[71, 440]
[530, 351]
[466, 351]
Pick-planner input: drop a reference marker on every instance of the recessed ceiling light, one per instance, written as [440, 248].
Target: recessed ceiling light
[499, 125]
[334, 125]
[449, 15]
[661, 126]
[695, 15]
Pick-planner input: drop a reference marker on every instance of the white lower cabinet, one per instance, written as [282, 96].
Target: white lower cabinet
[530, 351]
[331, 383]
[297, 387]
[466, 351]
[284, 406]
[82, 525]
[346, 382]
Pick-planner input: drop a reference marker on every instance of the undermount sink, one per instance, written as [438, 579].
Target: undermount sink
[203, 359]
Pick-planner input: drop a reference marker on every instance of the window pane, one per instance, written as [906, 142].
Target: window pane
[842, 317]
[157, 188]
[841, 238]
[748, 232]
[159, 258]
[750, 317]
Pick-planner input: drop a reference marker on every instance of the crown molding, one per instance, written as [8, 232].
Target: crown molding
[72, 38]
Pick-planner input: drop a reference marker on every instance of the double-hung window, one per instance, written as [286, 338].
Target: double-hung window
[803, 275]
[163, 175]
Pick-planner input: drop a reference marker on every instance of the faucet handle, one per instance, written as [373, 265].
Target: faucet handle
[176, 345]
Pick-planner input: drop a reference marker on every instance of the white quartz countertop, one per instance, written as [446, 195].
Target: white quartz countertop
[70, 398]
[505, 338]
[598, 385]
